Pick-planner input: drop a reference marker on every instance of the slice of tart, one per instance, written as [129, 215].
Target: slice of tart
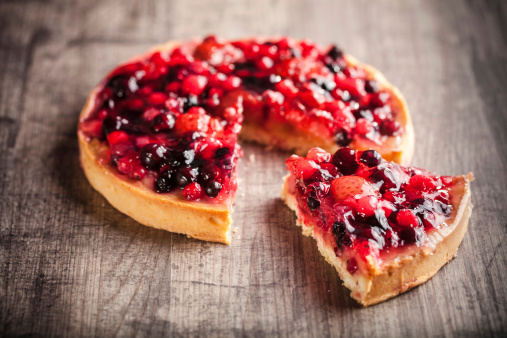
[384, 227]
[158, 136]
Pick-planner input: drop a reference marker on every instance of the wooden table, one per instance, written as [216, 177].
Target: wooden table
[71, 265]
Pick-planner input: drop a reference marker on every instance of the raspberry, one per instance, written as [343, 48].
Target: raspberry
[421, 183]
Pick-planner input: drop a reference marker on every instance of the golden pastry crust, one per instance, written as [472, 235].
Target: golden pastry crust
[405, 271]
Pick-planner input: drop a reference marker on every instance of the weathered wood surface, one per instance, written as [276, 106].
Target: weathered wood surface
[73, 266]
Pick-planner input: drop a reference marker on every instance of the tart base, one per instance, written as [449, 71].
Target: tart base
[398, 277]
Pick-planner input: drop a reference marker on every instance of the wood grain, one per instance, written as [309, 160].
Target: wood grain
[73, 266]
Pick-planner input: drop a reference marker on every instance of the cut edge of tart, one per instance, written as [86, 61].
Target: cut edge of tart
[377, 280]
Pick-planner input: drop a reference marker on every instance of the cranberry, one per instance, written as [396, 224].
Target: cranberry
[371, 158]
[152, 156]
[363, 114]
[117, 137]
[164, 182]
[193, 191]
[345, 160]
[287, 88]
[137, 172]
[213, 188]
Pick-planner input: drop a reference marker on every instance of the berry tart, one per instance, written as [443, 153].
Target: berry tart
[158, 136]
[384, 227]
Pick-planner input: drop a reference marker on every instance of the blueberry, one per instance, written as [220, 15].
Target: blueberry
[164, 182]
[213, 188]
[342, 138]
[371, 86]
[186, 176]
[312, 203]
[335, 52]
[220, 152]
[163, 122]
[152, 156]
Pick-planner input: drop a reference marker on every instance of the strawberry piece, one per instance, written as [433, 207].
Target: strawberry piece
[351, 186]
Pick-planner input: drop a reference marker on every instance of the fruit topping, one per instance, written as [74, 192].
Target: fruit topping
[369, 205]
[174, 116]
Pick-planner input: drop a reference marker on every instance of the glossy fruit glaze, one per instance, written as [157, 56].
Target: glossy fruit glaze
[171, 118]
[364, 204]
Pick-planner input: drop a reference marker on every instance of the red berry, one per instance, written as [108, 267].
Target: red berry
[265, 63]
[406, 217]
[232, 82]
[194, 84]
[193, 191]
[117, 137]
[286, 87]
[363, 126]
[137, 172]
[318, 155]
[367, 206]
[157, 99]
[124, 165]
[354, 86]
[421, 183]
[352, 266]
[306, 168]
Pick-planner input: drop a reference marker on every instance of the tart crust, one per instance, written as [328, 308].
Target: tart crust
[405, 271]
[205, 221]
